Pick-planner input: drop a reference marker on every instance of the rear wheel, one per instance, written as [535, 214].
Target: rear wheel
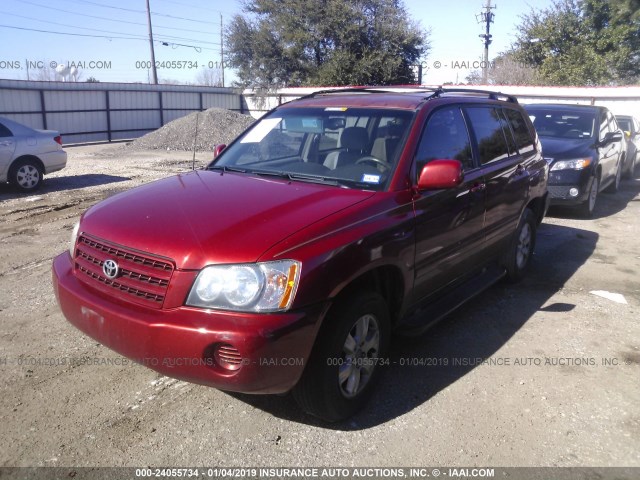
[586, 208]
[522, 246]
[26, 175]
[347, 358]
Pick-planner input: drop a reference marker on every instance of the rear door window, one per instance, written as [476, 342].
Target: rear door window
[485, 123]
[521, 134]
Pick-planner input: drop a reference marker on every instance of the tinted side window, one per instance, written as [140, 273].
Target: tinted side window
[604, 125]
[5, 132]
[485, 123]
[521, 133]
[445, 137]
[507, 133]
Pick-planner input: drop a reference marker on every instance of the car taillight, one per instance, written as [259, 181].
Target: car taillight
[58, 139]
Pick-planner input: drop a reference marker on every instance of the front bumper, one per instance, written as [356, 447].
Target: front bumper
[561, 183]
[180, 342]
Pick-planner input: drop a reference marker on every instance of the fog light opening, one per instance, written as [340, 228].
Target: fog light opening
[225, 356]
[574, 192]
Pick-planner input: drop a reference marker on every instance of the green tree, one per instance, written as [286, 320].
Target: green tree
[582, 42]
[280, 43]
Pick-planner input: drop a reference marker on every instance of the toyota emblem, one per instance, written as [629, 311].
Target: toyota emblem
[110, 269]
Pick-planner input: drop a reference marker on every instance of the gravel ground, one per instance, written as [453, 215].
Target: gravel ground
[557, 383]
[215, 126]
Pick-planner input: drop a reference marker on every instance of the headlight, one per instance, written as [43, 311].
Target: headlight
[255, 287]
[574, 164]
[74, 238]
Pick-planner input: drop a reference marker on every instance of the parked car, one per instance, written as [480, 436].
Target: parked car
[585, 149]
[27, 154]
[631, 127]
[333, 220]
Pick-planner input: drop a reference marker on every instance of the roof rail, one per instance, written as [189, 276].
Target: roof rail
[490, 94]
[435, 91]
[375, 89]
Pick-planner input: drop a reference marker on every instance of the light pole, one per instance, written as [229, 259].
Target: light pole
[486, 17]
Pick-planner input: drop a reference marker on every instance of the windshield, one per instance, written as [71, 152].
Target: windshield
[347, 147]
[563, 124]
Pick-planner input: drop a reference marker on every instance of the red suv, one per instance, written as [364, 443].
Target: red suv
[334, 220]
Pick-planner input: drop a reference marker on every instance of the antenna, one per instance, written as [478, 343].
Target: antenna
[195, 143]
[486, 17]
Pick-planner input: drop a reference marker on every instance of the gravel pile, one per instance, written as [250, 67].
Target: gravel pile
[215, 126]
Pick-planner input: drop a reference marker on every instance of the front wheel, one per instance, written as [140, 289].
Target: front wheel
[630, 173]
[522, 246]
[614, 187]
[587, 207]
[347, 358]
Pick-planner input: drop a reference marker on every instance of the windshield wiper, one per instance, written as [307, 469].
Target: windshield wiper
[226, 168]
[300, 177]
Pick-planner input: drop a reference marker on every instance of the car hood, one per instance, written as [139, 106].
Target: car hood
[206, 217]
[567, 148]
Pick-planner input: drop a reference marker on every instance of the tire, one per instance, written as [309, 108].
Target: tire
[26, 175]
[334, 386]
[522, 246]
[587, 207]
[615, 186]
[630, 173]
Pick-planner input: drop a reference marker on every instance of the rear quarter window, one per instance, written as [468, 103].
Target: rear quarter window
[4, 131]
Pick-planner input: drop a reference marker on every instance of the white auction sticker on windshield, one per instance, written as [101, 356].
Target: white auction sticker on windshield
[368, 178]
[261, 130]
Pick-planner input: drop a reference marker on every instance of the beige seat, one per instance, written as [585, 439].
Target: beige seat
[354, 141]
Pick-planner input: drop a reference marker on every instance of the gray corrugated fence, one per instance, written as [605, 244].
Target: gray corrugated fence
[93, 112]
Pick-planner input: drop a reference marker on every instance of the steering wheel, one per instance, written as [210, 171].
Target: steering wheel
[375, 160]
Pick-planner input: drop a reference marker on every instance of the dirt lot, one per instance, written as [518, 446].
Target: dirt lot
[559, 385]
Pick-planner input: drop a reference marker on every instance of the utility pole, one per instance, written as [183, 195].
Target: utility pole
[153, 54]
[486, 17]
[222, 50]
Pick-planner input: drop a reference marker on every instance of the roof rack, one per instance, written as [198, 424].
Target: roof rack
[435, 91]
[377, 89]
[490, 94]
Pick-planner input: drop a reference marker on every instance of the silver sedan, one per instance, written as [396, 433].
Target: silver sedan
[27, 154]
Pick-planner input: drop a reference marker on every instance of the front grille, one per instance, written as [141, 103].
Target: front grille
[142, 278]
[558, 192]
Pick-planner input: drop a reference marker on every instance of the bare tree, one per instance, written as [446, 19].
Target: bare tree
[210, 77]
[506, 70]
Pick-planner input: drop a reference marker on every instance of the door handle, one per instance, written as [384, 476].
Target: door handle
[478, 187]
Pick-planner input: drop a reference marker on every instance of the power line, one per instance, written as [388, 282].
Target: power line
[196, 6]
[140, 11]
[132, 35]
[110, 37]
[109, 19]
[69, 33]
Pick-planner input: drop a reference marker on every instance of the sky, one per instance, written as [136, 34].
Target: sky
[108, 39]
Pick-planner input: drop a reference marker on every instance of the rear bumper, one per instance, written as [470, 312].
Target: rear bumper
[180, 342]
[54, 161]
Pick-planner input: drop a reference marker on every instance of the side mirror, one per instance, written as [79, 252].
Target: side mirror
[218, 150]
[610, 137]
[440, 174]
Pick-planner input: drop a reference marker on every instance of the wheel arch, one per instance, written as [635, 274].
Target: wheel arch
[19, 159]
[386, 280]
